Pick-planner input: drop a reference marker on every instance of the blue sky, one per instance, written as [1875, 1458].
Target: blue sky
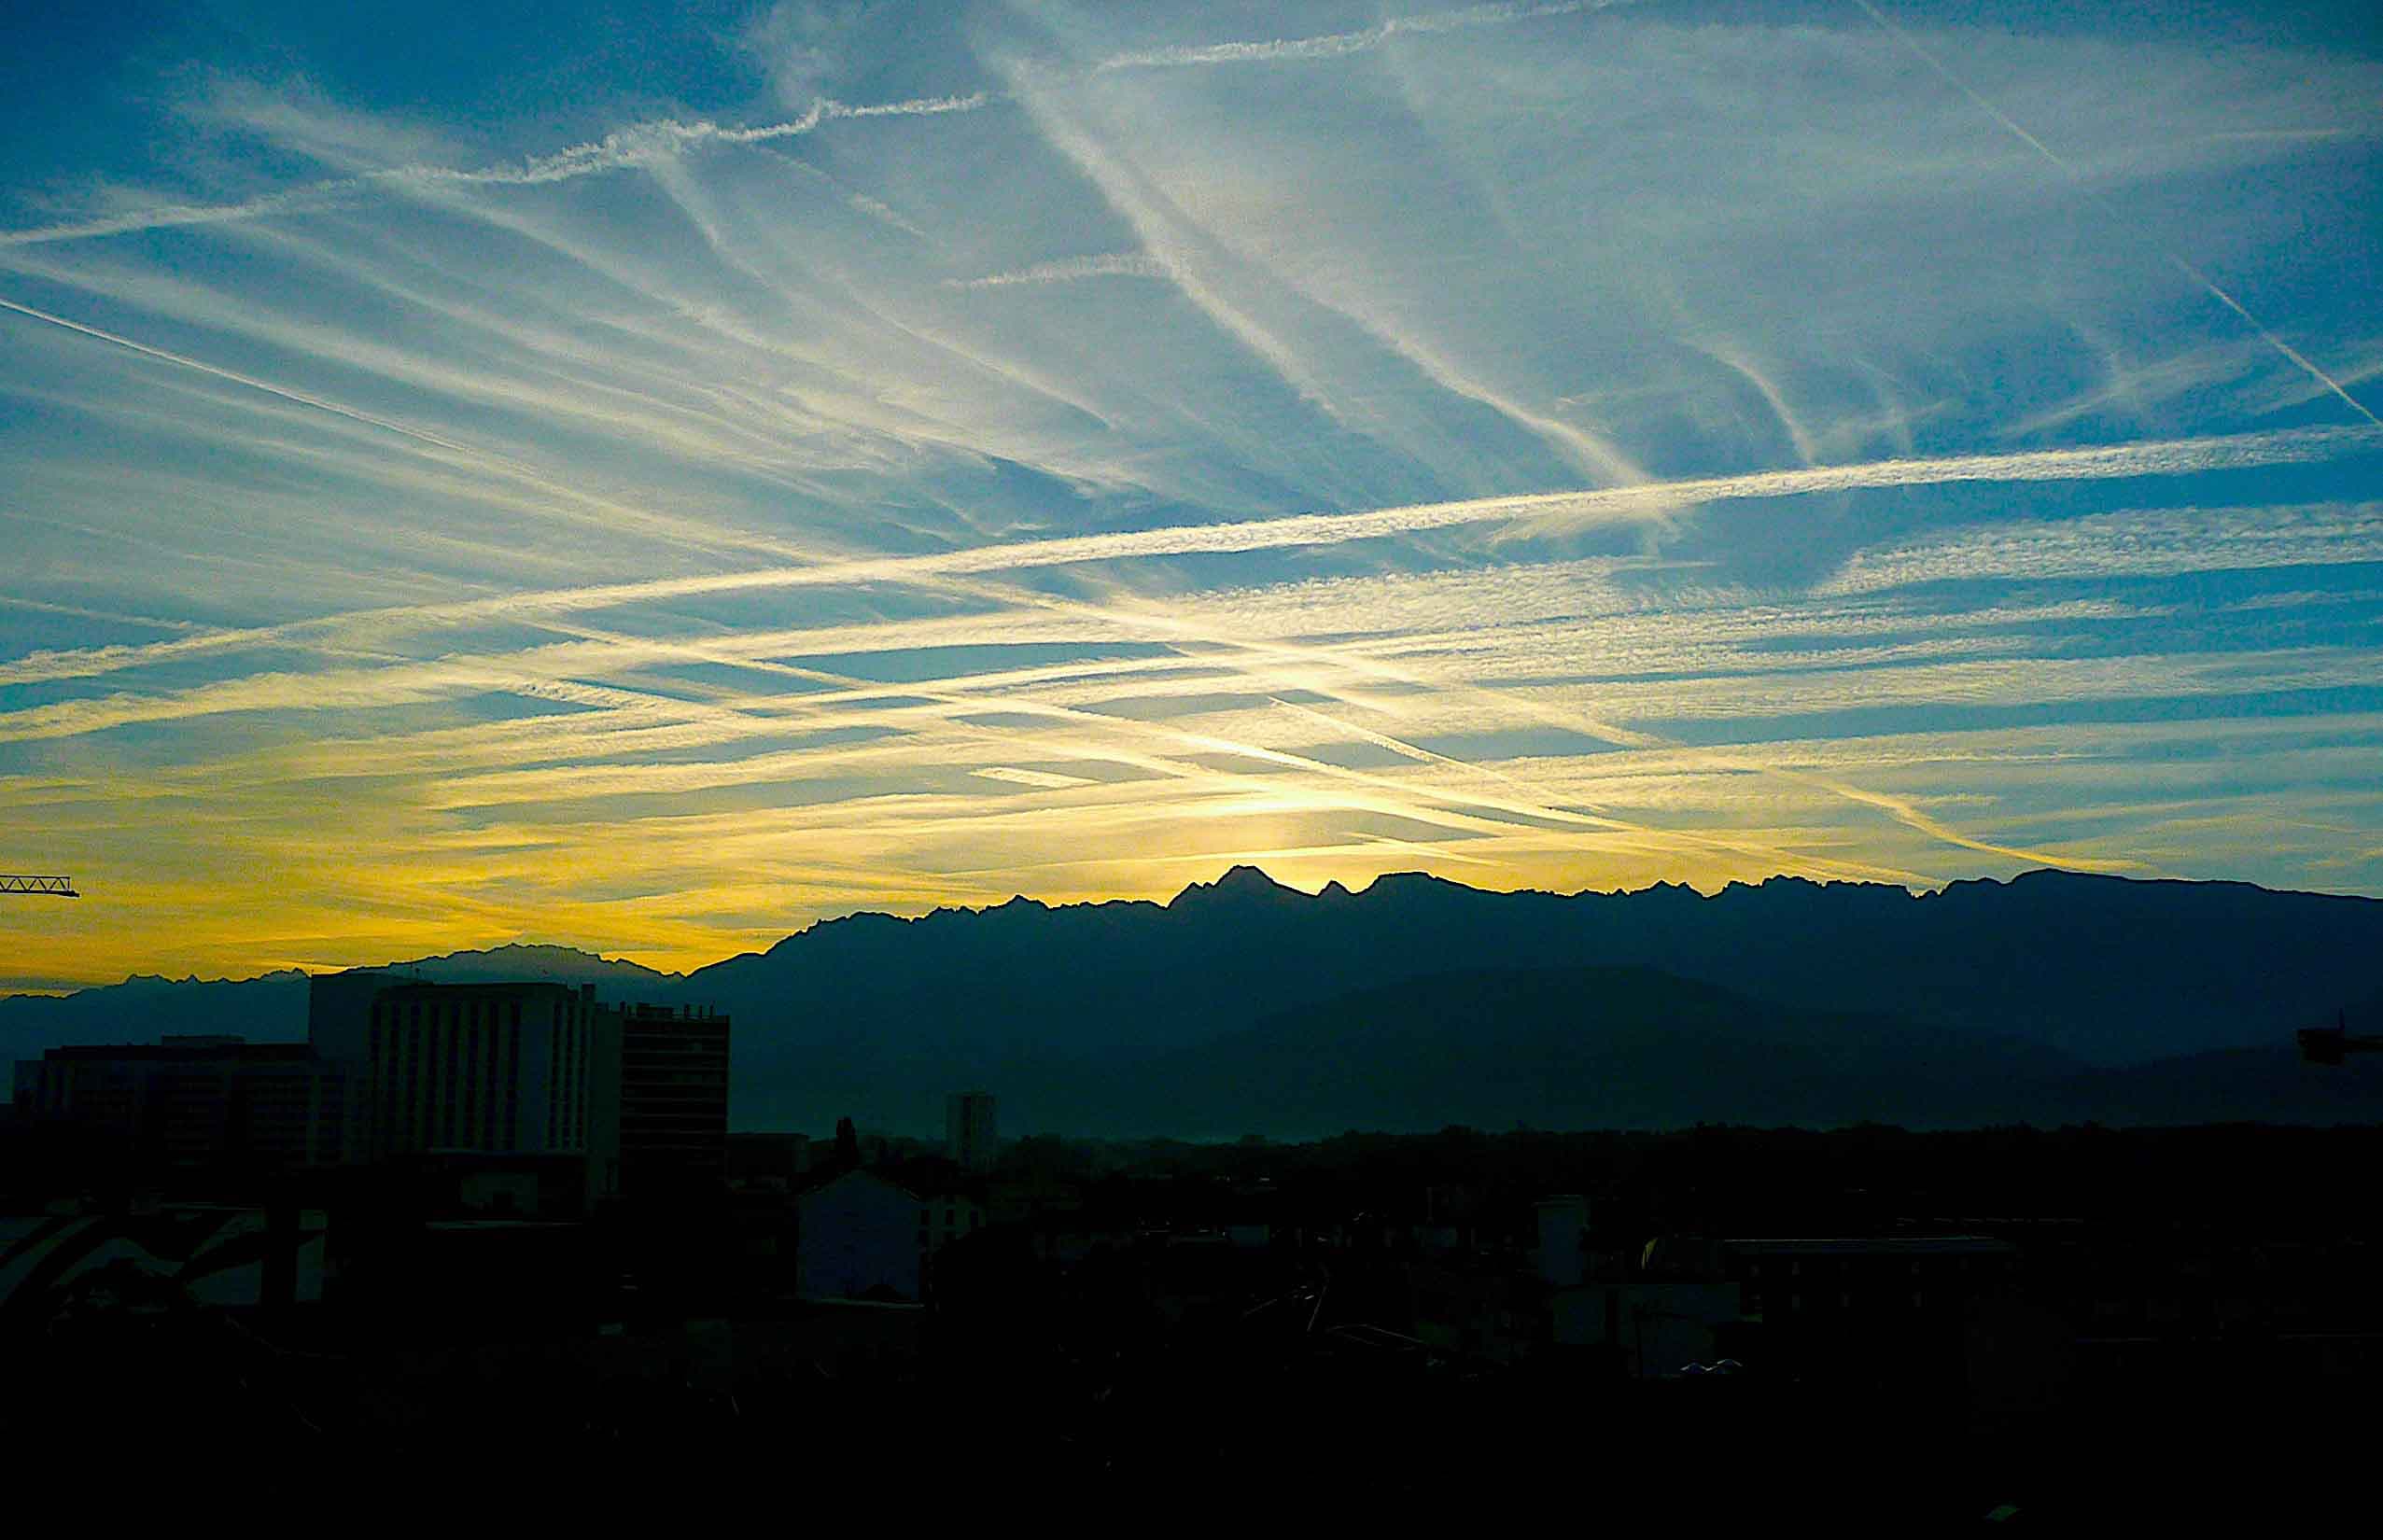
[652, 478]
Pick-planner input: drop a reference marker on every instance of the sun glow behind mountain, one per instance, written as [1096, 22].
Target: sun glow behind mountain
[651, 482]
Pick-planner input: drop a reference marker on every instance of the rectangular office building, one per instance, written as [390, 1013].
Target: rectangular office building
[193, 1100]
[673, 1100]
[496, 1069]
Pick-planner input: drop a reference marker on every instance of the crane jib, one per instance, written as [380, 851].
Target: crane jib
[53, 887]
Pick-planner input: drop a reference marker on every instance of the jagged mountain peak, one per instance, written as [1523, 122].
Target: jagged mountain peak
[1242, 881]
[523, 959]
[882, 1015]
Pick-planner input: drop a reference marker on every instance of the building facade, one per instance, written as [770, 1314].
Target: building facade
[194, 1100]
[769, 1163]
[972, 1135]
[339, 1011]
[673, 1134]
[514, 1070]
[338, 1028]
[861, 1234]
[1886, 1282]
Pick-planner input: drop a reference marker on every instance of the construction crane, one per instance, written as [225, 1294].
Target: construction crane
[2332, 1044]
[52, 887]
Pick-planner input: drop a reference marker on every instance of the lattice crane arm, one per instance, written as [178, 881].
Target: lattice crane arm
[12, 882]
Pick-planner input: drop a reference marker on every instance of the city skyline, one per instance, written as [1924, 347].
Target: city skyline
[651, 482]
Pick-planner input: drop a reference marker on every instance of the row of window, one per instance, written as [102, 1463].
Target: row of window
[567, 1087]
[456, 1064]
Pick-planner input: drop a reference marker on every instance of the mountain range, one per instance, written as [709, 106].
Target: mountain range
[1245, 1006]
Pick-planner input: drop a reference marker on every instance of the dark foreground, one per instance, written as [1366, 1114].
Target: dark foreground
[2054, 1329]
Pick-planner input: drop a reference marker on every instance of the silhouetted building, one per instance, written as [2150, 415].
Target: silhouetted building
[673, 1098]
[193, 1100]
[1563, 1241]
[1866, 1280]
[971, 1137]
[1656, 1327]
[861, 1234]
[339, 1030]
[510, 1069]
[339, 1013]
[768, 1162]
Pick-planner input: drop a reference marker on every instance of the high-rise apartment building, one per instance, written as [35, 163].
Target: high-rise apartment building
[531, 1069]
[673, 1098]
[970, 1136]
[540, 1071]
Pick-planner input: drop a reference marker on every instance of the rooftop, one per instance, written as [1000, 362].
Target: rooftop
[416, 987]
[185, 1050]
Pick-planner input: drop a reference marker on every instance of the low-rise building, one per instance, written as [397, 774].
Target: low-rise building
[860, 1235]
[1654, 1327]
[195, 1101]
[1846, 1280]
[768, 1162]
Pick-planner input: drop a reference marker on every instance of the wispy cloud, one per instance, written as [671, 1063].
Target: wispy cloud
[656, 141]
[638, 147]
[1638, 502]
[2182, 264]
[1340, 44]
[2153, 542]
[1564, 446]
[1112, 264]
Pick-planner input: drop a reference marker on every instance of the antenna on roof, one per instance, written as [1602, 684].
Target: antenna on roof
[2332, 1044]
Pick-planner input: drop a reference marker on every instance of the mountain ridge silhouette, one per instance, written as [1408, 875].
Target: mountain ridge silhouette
[877, 1015]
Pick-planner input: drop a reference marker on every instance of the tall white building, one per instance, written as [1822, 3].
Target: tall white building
[970, 1137]
[496, 1068]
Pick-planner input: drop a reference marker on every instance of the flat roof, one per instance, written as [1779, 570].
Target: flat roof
[476, 986]
[187, 1051]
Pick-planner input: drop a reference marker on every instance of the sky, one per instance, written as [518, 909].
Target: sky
[651, 477]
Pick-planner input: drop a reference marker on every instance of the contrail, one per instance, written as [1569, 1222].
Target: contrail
[1388, 794]
[615, 514]
[1895, 807]
[634, 147]
[650, 142]
[83, 612]
[1904, 813]
[1112, 264]
[1744, 368]
[2291, 355]
[308, 199]
[1340, 44]
[667, 139]
[2275, 341]
[235, 377]
[1650, 500]
[1314, 529]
